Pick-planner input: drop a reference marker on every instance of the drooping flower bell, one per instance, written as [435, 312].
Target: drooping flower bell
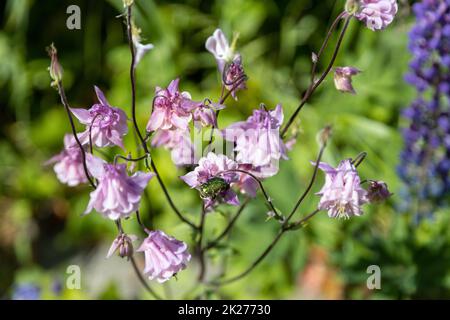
[68, 166]
[342, 194]
[105, 125]
[218, 45]
[165, 256]
[117, 194]
[258, 140]
[123, 244]
[343, 78]
[182, 150]
[229, 62]
[213, 181]
[376, 14]
[172, 109]
[55, 69]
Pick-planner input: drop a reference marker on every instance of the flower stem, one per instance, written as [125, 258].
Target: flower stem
[136, 127]
[315, 84]
[66, 105]
[201, 251]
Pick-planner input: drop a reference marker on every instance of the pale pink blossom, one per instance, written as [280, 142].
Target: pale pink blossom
[68, 166]
[218, 45]
[377, 14]
[179, 143]
[165, 256]
[172, 109]
[342, 194]
[343, 78]
[214, 167]
[104, 124]
[258, 140]
[117, 194]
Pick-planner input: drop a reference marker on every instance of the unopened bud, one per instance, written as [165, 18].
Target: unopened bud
[324, 135]
[378, 191]
[55, 69]
[351, 6]
[128, 3]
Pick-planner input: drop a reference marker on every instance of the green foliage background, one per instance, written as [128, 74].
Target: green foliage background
[42, 232]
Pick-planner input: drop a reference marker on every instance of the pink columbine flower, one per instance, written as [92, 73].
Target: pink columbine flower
[165, 256]
[377, 14]
[172, 109]
[342, 195]
[205, 115]
[214, 168]
[105, 124]
[69, 163]
[123, 244]
[117, 194]
[247, 184]
[258, 140]
[343, 78]
[218, 45]
[179, 143]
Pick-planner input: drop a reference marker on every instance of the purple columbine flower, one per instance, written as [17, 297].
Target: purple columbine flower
[343, 78]
[218, 45]
[213, 181]
[182, 150]
[172, 109]
[123, 244]
[258, 140]
[205, 114]
[69, 163]
[342, 195]
[377, 14]
[117, 194]
[165, 256]
[104, 124]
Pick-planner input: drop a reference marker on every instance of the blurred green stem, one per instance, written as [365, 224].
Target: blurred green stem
[136, 127]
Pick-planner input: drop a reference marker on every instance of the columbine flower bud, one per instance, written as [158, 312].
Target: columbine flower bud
[343, 78]
[55, 69]
[324, 135]
[123, 244]
[128, 3]
[351, 6]
[378, 191]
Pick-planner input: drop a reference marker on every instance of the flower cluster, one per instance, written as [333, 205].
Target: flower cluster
[257, 146]
[425, 159]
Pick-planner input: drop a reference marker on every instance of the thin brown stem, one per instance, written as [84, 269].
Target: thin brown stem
[315, 84]
[229, 227]
[66, 105]
[201, 251]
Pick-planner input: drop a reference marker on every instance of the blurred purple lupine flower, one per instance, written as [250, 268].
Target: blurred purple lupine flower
[214, 167]
[123, 243]
[105, 124]
[172, 109]
[117, 194]
[258, 141]
[69, 163]
[26, 291]
[179, 143]
[341, 195]
[165, 256]
[377, 14]
[343, 78]
[425, 160]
